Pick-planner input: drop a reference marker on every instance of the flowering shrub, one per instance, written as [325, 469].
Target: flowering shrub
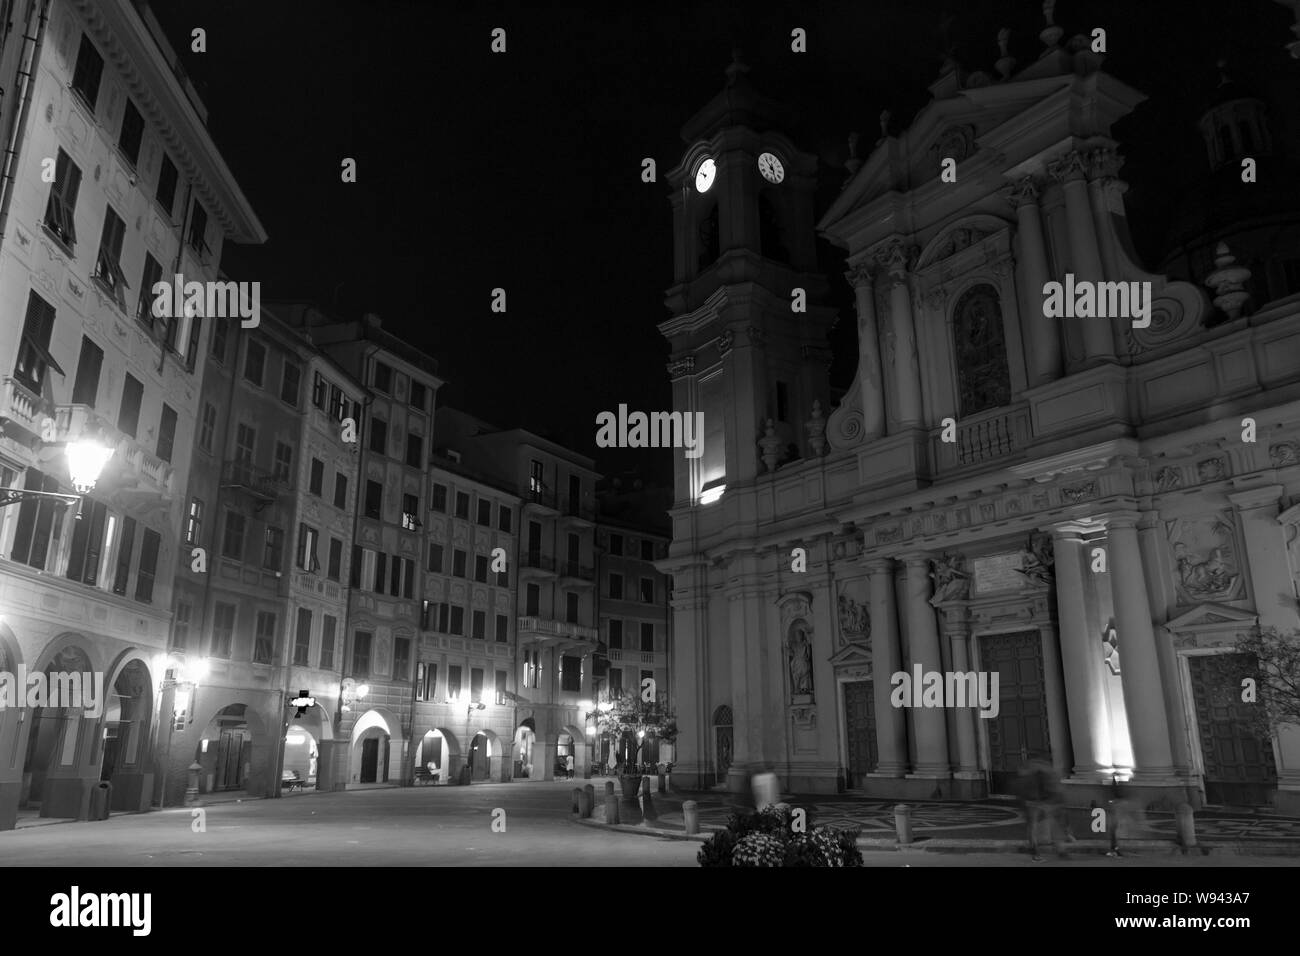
[758, 849]
[755, 839]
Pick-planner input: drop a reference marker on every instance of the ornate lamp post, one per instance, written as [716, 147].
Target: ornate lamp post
[86, 460]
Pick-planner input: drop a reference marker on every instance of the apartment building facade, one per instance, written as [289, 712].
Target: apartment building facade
[112, 182]
[261, 600]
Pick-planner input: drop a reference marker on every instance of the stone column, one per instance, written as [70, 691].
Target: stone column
[1081, 660]
[1043, 333]
[1085, 260]
[923, 638]
[891, 725]
[956, 628]
[1270, 574]
[1103, 166]
[900, 348]
[869, 377]
[1144, 701]
[1058, 721]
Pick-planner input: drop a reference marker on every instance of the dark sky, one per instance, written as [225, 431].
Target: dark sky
[522, 170]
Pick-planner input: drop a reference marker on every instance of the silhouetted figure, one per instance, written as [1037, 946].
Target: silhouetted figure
[1044, 804]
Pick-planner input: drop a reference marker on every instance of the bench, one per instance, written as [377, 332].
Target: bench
[291, 780]
[424, 775]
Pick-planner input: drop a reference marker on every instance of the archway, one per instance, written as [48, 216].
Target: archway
[235, 753]
[64, 749]
[310, 757]
[440, 755]
[571, 742]
[14, 730]
[486, 757]
[525, 740]
[301, 764]
[376, 747]
[127, 724]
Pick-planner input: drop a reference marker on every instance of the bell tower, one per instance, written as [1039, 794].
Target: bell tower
[748, 331]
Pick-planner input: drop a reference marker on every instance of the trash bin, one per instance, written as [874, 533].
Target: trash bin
[101, 798]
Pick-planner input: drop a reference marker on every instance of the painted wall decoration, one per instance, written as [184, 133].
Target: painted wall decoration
[1205, 557]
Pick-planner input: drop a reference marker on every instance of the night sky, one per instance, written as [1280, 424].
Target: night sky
[522, 170]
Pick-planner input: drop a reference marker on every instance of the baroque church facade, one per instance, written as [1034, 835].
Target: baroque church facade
[1098, 531]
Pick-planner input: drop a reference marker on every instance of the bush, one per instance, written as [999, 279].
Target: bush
[766, 838]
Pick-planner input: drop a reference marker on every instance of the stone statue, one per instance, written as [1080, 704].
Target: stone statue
[801, 677]
[950, 581]
[855, 618]
[1038, 559]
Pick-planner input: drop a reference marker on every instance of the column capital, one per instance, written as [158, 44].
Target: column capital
[1104, 164]
[1068, 167]
[1116, 520]
[1075, 530]
[1023, 192]
[896, 257]
[859, 274]
[680, 367]
[917, 559]
[1248, 499]
[956, 620]
[879, 565]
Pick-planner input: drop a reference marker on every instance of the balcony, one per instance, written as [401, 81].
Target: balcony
[997, 436]
[152, 474]
[539, 500]
[577, 511]
[22, 407]
[572, 573]
[533, 564]
[258, 483]
[541, 627]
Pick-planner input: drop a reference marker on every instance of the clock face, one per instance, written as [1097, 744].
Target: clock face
[771, 168]
[704, 176]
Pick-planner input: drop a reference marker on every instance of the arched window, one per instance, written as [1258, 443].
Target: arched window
[983, 379]
[709, 239]
[771, 234]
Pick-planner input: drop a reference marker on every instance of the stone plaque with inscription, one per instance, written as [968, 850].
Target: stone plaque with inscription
[998, 572]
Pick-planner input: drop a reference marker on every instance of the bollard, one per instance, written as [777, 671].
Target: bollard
[663, 784]
[648, 814]
[903, 823]
[691, 814]
[611, 807]
[588, 801]
[576, 795]
[1186, 826]
[192, 786]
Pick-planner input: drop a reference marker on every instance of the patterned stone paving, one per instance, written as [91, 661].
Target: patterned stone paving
[1232, 828]
[878, 815]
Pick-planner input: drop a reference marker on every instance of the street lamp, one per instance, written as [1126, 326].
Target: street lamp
[351, 692]
[86, 459]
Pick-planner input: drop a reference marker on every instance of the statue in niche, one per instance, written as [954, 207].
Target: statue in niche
[951, 583]
[800, 648]
[855, 619]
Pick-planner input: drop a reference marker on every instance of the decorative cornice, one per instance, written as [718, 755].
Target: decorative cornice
[680, 367]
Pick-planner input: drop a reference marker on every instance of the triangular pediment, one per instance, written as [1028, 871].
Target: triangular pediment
[852, 654]
[1211, 617]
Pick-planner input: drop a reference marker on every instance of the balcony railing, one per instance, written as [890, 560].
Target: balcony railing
[540, 562]
[547, 627]
[20, 405]
[539, 497]
[572, 569]
[258, 482]
[71, 422]
[577, 508]
[987, 437]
